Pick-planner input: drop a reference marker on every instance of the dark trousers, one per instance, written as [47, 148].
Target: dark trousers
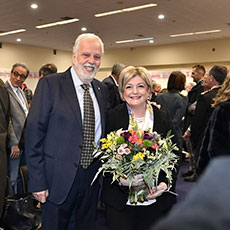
[133, 217]
[79, 209]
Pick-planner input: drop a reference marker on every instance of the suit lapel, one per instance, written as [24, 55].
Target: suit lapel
[71, 95]
[11, 92]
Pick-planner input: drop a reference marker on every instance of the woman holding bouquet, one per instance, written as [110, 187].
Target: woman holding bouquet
[135, 89]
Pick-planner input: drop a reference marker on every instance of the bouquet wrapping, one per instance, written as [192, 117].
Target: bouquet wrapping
[127, 153]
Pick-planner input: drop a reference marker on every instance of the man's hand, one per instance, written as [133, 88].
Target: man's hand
[41, 196]
[157, 191]
[186, 135]
[15, 152]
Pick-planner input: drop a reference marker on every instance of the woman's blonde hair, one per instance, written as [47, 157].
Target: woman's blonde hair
[130, 72]
[223, 93]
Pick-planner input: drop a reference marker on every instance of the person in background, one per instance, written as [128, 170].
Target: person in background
[4, 121]
[174, 102]
[28, 93]
[203, 112]
[18, 113]
[217, 134]
[135, 87]
[189, 86]
[67, 115]
[198, 73]
[47, 69]
[112, 84]
[207, 205]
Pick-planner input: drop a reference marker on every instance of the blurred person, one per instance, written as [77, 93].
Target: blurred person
[203, 112]
[217, 133]
[112, 84]
[47, 69]
[155, 90]
[174, 102]
[18, 113]
[67, 115]
[207, 205]
[4, 121]
[135, 87]
[28, 93]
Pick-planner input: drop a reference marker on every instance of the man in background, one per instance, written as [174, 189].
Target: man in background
[4, 121]
[203, 112]
[18, 113]
[67, 115]
[112, 84]
[47, 69]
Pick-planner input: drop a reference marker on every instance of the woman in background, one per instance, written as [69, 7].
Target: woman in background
[135, 88]
[174, 102]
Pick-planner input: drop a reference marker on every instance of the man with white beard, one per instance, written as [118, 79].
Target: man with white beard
[59, 139]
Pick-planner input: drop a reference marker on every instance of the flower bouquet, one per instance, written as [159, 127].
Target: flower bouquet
[125, 154]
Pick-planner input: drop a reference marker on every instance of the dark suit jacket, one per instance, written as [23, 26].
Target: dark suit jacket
[113, 194]
[4, 121]
[193, 95]
[54, 134]
[217, 135]
[201, 116]
[114, 96]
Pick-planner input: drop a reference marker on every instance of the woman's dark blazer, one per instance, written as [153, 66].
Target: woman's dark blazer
[115, 195]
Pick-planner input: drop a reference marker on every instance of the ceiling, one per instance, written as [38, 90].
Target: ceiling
[181, 16]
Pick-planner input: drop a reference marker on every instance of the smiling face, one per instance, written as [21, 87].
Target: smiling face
[18, 76]
[136, 92]
[87, 59]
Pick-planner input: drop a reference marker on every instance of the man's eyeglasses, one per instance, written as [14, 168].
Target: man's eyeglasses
[22, 76]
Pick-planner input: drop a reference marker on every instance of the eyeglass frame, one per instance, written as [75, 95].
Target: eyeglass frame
[16, 74]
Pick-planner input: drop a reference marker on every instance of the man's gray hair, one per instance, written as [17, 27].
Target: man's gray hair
[117, 68]
[82, 37]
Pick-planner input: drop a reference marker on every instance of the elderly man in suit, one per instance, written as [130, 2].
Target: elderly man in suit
[18, 114]
[67, 114]
[112, 84]
[4, 121]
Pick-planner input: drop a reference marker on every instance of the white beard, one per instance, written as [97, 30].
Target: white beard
[83, 75]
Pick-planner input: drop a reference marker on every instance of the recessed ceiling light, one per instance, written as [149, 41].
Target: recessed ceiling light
[151, 41]
[83, 29]
[134, 40]
[12, 32]
[57, 23]
[161, 16]
[125, 10]
[18, 39]
[34, 6]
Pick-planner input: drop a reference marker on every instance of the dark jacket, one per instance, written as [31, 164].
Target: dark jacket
[113, 194]
[217, 135]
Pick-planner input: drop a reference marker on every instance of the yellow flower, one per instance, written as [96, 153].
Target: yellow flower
[103, 140]
[139, 155]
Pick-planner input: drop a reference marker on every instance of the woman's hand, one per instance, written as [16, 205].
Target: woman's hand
[157, 191]
[137, 181]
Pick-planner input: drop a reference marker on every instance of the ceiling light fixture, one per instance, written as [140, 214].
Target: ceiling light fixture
[125, 10]
[83, 29]
[207, 32]
[57, 23]
[134, 40]
[12, 32]
[34, 6]
[161, 16]
[195, 33]
[18, 39]
[151, 41]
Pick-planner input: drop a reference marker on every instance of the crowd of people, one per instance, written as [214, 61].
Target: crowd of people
[52, 132]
